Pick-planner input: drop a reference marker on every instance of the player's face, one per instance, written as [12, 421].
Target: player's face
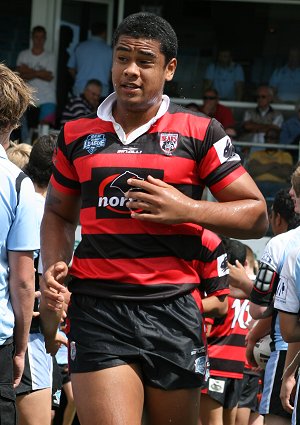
[295, 199]
[92, 93]
[38, 39]
[139, 73]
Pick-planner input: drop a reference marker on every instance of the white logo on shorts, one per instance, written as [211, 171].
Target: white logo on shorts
[216, 386]
[73, 350]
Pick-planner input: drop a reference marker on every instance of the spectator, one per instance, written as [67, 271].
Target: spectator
[92, 59]
[141, 236]
[226, 76]
[271, 168]
[286, 80]
[257, 121]
[214, 109]
[84, 104]
[19, 237]
[290, 132]
[37, 67]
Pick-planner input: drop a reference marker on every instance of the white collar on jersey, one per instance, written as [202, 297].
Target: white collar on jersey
[105, 113]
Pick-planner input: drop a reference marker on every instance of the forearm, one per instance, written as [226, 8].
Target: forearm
[215, 306]
[292, 360]
[22, 299]
[50, 319]
[261, 328]
[236, 219]
[57, 240]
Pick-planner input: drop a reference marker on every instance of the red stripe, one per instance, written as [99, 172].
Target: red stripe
[91, 225]
[234, 175]
[223, 374]
[143, 271]
[85, 126]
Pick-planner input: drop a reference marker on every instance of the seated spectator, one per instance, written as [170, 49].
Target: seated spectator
[286, 80]
[290, 132]
[256, 122]
[84, 104]
[226, 76]
[271, 168]
[214, 109]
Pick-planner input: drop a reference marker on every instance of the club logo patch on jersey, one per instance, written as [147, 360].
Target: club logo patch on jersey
[168, 142]
[222, 265]
[94, 142]
[282, 290]
[225, 150]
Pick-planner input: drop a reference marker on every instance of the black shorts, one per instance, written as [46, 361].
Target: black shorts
[226, 391]
[164, 338]
[251, 388]
[7, 393]
[56, 385]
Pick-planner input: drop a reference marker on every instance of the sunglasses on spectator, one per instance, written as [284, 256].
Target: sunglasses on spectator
[261, 96]
[210, 97]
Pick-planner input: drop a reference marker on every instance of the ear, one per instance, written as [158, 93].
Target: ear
[170, 69]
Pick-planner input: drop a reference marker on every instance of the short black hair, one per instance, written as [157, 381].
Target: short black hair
[94, 81]
[150, 26]
[39, 28]
[39, 167]
[235, 250]
[284, 206]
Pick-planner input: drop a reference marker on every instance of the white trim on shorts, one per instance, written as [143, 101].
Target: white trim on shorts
[40, 362]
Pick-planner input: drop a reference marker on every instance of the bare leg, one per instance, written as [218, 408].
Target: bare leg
[113, 396]
[229, 416]
[176, 407]
[35, 408]
[256, 419]
[276, 420]
[211, 412]
[70, 409]
[242, 416]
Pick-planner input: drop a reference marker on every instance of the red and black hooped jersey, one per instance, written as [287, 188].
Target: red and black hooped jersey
[226, 341]
[120, 256]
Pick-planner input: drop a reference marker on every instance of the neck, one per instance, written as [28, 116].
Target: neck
[41, 190]
[4, 139]
[131, 120]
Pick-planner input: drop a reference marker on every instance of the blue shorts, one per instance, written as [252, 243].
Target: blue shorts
[38, 366]
[270, 401]
[163, 337]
